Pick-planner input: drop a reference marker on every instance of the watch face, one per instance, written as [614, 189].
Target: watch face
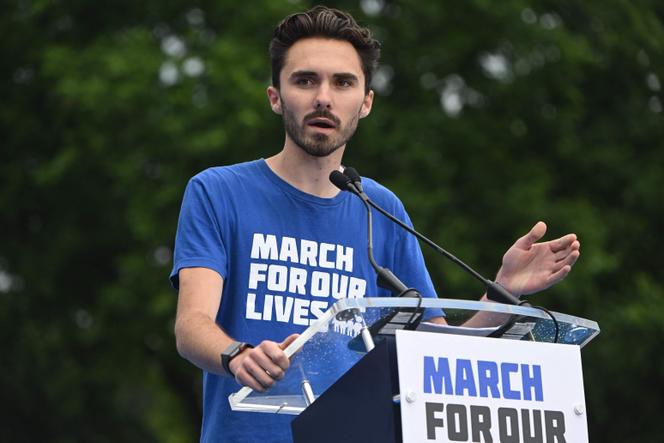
[233, 349]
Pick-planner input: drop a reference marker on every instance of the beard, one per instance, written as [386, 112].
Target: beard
[317, 144]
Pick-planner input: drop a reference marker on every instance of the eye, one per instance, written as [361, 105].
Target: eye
[304, 81]
[343, 83]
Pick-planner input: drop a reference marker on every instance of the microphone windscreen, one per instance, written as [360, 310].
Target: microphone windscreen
[354, 177]
[352, 174]
[339, 180]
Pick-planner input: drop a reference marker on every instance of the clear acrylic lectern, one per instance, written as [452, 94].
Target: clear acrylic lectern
[331, 346]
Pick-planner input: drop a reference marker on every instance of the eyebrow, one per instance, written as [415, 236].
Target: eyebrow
[303, 74]
[337, 76]
[346, 76]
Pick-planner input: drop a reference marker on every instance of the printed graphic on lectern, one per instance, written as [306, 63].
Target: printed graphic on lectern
[457, 388]
[483, 378]
[461, 377]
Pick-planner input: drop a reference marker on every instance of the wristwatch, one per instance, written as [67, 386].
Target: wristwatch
[232, 351]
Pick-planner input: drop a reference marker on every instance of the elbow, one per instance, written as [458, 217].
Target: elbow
[180, 338]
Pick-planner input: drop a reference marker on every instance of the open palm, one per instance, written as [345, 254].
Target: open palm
[530, 267]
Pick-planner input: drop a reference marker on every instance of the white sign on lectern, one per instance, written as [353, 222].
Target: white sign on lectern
[474, 389]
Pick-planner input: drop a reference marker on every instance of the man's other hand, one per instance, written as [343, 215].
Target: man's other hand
[260, 367]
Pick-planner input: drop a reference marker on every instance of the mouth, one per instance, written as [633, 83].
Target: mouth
[321, 123]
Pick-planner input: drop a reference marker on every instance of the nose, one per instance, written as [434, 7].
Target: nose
[323, 99]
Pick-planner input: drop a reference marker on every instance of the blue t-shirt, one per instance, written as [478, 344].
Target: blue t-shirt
[285, 257]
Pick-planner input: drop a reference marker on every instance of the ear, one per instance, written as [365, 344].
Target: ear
[275, 99]
[367, 103]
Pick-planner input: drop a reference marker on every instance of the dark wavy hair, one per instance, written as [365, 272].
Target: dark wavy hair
[321, 21]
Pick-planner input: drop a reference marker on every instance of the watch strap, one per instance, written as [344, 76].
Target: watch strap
[232, 351]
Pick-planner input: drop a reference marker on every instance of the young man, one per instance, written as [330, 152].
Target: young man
[264, 248]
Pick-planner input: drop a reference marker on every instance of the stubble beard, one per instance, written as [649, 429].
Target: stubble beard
[317, 144]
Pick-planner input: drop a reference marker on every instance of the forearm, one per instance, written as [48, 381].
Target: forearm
[485, 319]
[201, 341]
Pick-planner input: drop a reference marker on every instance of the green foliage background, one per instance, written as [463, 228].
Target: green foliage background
[490, 115]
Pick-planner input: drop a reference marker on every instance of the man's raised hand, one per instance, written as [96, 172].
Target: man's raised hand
[530, 267]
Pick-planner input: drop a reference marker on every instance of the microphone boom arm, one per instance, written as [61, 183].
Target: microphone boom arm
[494, 292]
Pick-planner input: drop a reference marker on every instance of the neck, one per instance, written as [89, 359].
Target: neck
[305, 172]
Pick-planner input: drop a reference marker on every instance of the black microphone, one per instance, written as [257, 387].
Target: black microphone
[494, 291]
[354, 177]
[341, 181]
[386, 279]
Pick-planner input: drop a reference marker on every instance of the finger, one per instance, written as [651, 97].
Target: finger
[244, 377]
[573, 257]
[531, 237]
[287, 342]
[567, 261]
[276, 355]
[271, 369]
[564, 242]
[562, 255]
[258, 373]
[559, 275]
[290, 339]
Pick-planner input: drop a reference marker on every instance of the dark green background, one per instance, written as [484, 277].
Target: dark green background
[558, 117]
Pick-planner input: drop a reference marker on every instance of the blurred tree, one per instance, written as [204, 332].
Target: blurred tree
[489, 116]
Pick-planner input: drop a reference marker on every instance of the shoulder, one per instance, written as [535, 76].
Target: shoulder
[228, 180]
[223, 183]
[226, 174]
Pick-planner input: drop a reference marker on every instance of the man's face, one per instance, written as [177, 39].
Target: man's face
[321, 95]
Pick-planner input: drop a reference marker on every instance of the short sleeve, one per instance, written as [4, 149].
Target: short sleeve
[199, 238]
